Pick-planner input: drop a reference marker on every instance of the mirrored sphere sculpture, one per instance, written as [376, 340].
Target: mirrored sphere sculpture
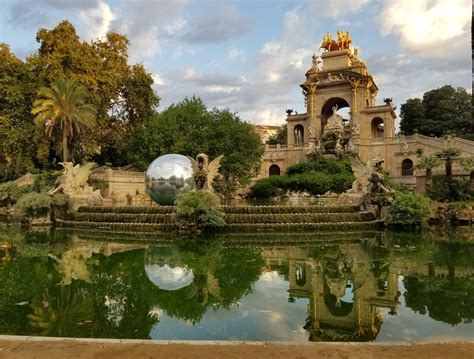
[167, 176]
[164, 269]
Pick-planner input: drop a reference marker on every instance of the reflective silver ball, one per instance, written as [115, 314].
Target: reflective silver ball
[164, 269]
[167, 176]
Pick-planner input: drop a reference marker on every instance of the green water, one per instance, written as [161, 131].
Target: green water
[358, 286]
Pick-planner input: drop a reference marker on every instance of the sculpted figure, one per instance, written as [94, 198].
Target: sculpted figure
[204, 172]
[74, 178]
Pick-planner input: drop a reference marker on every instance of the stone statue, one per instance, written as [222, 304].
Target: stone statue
[312, 131]
[205, 172]
[368, 177]
[74, 178]
[73, 183]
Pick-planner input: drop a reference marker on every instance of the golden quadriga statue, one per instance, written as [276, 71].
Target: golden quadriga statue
[73, 183]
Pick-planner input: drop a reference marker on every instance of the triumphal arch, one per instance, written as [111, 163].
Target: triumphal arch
[337, 80]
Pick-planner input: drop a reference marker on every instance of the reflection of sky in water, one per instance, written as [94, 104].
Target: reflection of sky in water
[410, 326]
[266, 314]
[349, 294]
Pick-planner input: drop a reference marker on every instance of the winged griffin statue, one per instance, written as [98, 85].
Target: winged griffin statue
[369, 177]
[74, 178]
[205, 172]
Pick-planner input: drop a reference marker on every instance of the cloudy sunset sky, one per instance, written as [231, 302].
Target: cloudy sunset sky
[251, 56]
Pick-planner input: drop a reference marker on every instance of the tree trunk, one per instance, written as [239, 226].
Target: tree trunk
[471, 180]
[428, 179]
[449, 168]
[65, 143]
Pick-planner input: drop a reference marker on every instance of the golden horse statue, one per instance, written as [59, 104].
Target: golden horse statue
[344, 41]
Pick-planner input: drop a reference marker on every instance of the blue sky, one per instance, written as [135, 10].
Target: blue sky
[251, 56]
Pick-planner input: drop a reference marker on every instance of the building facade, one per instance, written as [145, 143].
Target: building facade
[339, 79]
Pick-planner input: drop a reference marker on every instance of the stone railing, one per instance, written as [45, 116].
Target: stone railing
[466, 146]
[281, 147]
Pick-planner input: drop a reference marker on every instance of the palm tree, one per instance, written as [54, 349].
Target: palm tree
[448, 155]
[468, 164]
[428, 163]
[64, 103]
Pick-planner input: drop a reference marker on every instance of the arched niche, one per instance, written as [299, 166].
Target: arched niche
[300, 273]
[298, 133]
[274, 170]
[377, 127]
[327, 111]
[407, 167]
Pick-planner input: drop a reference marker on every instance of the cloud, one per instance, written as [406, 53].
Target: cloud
[217, 26]
[157, 79]
[431, 29]
[96, 21]
[236, 54]
[403, 76]
[41, 13]
[337, 8]
[143, 21]
[177, 25]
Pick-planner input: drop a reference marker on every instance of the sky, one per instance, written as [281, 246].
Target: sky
[251, 55]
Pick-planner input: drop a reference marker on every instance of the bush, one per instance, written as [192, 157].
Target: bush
[320, 165]
[34, 204]
[200, 208]
[44, 181]
[316, 177]
[450, 189]
[10, 193]
[408, 209]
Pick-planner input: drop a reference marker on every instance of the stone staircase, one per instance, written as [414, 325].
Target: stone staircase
[238, 219]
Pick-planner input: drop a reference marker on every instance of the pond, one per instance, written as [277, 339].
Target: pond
[358, 286]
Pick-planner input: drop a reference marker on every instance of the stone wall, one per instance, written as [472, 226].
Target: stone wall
[123, 188]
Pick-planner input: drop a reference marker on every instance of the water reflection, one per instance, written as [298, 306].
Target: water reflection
[165, 270]
[91, 285]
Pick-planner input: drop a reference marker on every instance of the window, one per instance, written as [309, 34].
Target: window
[407, 167]
[299, 135]
[377, 127]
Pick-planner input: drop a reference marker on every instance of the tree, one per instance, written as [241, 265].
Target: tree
[448, 155]
[412, 115]
[428, 163]
[65, 104]
[442, 111]
[280, 137]
[20, 143]
[189, 128]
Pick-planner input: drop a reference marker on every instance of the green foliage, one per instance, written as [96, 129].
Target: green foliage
[320, 165]
[280, 137]
[442, 111]
[34, 204]
[63, 107]
[316, 177]
[189, 128]
[121, 93]
[200, 208]
[428, 163]
[19, 143]
[10, 193]
[450, 189]
[44, 181]
[408, 209]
